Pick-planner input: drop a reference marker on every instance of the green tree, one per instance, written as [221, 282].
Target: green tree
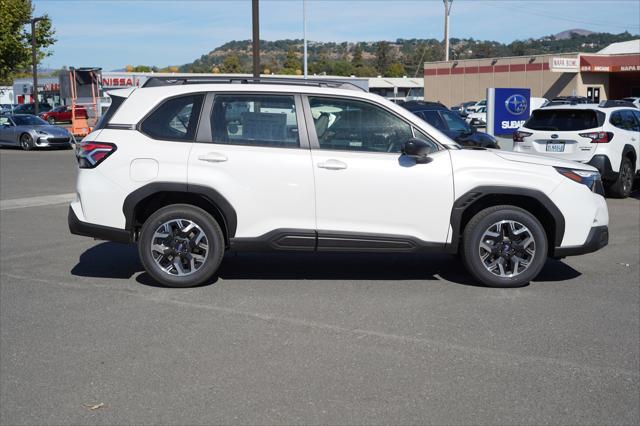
[291, 63]
[15, 38]
[142, 68]
[384, 57]
[231, 64]
[395, 70]
[357, 60]
[365, 71]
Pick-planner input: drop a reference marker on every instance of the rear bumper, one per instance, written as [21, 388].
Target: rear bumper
[598, 237]
[99, 232]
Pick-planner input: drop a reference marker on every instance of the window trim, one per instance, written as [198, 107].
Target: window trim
[205, 133]
[138, 125]
[313, 137]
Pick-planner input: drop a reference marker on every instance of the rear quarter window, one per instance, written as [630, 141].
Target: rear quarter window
[564, 119]
[116, 101]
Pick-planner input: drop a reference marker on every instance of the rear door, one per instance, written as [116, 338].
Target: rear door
[558, 132]
[7, 130]
[253, 149]
[626, 127]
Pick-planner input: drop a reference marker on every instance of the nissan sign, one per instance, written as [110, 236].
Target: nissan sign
[507, 109]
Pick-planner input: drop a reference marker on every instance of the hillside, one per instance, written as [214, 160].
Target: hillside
[389, 58]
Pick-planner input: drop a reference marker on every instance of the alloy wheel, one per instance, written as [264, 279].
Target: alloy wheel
[25, 142]
[507, 248]
[179, 247]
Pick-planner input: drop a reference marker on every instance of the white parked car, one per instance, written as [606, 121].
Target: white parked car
[478, 118]
[605, 136]
[190, 171]
[475, 107]
[634, 100]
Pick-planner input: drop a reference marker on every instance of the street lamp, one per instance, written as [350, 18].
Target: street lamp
[34, 58]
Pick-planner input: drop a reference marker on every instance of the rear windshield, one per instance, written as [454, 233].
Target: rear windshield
[116, 101]
[564, 119]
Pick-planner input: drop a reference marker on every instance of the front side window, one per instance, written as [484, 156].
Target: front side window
[256, 120]
[346, 124]
[175, 119]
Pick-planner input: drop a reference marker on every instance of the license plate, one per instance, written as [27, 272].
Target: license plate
[555, 146]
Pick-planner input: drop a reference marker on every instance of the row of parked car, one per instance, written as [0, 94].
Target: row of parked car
[59, 114]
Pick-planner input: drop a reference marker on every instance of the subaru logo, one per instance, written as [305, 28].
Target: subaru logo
[516, 104]
[554, 136]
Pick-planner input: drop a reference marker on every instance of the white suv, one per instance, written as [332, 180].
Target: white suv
[606, 136]
[190, 171]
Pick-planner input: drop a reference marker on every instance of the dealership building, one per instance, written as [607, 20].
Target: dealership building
[612, 73]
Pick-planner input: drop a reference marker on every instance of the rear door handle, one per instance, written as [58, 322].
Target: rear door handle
[213, 157]
[332, 165]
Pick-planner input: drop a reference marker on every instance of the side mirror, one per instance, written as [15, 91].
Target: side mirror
[417, 149]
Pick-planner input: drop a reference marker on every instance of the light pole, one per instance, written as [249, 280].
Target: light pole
[34, 58]
[304, 30]
[447, 10]
[255, 9]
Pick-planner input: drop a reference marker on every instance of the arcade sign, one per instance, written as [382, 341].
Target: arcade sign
[507, 109]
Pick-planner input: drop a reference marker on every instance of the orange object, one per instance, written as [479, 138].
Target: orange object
[80, 125]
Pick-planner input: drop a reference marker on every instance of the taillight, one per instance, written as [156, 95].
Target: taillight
[519, 136]
[90, 154]
[598, 137]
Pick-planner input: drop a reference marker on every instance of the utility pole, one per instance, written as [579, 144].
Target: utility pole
[304, 31]
[447, 10]
[256, 37]
[34, 59]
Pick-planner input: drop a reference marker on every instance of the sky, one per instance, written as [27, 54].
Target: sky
[113, 33]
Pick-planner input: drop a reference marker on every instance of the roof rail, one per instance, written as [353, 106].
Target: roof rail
[180, 80]
[612, 103]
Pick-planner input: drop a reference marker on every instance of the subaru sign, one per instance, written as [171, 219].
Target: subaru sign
[507, 109]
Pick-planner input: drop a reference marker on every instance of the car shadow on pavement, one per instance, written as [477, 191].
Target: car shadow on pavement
[120, 261]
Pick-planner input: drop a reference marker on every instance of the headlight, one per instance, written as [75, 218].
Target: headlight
[40, 132]
[585, 177]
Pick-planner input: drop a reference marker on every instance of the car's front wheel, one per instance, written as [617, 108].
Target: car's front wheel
[181, 246]
[504, 246]
[26, 141]
[51, 120]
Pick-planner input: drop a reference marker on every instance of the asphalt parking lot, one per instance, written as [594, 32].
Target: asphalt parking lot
[303, 338]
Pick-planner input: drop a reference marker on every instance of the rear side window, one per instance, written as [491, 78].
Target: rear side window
[564, 119]
[624, 119]
[116, 101]
[176, 119]
[256, 120]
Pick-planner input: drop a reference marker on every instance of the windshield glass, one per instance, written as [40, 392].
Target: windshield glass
[454, 122]
[564, 119]
[28, 120]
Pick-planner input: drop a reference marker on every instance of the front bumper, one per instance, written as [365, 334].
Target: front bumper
[45, 141]
[99, 232]
[598, 237]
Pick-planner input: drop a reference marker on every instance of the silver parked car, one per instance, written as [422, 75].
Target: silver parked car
[29, 131]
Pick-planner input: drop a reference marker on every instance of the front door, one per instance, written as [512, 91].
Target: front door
[253, 150]
[365, 188]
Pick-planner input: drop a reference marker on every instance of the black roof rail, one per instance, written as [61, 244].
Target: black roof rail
[318, 82]
[612, 103]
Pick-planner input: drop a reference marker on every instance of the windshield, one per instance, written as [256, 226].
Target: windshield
[454, 122]
[28, 120]
[564, 119]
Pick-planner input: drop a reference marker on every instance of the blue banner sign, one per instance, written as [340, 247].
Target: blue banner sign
[507, 109]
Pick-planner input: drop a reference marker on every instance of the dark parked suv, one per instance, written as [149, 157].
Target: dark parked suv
[451, 124]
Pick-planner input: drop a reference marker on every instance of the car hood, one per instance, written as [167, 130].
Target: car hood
[543, 160]
[52, 130]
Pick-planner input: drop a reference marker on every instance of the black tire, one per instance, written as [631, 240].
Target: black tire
[26, 142]
[481, 223]
[212, 258]
[51, 120]
[622, 186]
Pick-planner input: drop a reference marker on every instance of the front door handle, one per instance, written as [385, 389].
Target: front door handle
[332, 165]
[213, 157]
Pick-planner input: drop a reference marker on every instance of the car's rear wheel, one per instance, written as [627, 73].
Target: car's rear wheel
[504, 246]
[622, 186]
[26, 141]
[181, 246]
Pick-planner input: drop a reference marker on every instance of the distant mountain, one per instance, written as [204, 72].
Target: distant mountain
[388, 58]
[564, 35]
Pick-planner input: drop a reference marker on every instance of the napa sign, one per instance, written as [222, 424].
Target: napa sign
[507, 109]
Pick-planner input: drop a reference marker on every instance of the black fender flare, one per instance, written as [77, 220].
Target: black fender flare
[479, 192]
[223, 206]
[629, 149]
